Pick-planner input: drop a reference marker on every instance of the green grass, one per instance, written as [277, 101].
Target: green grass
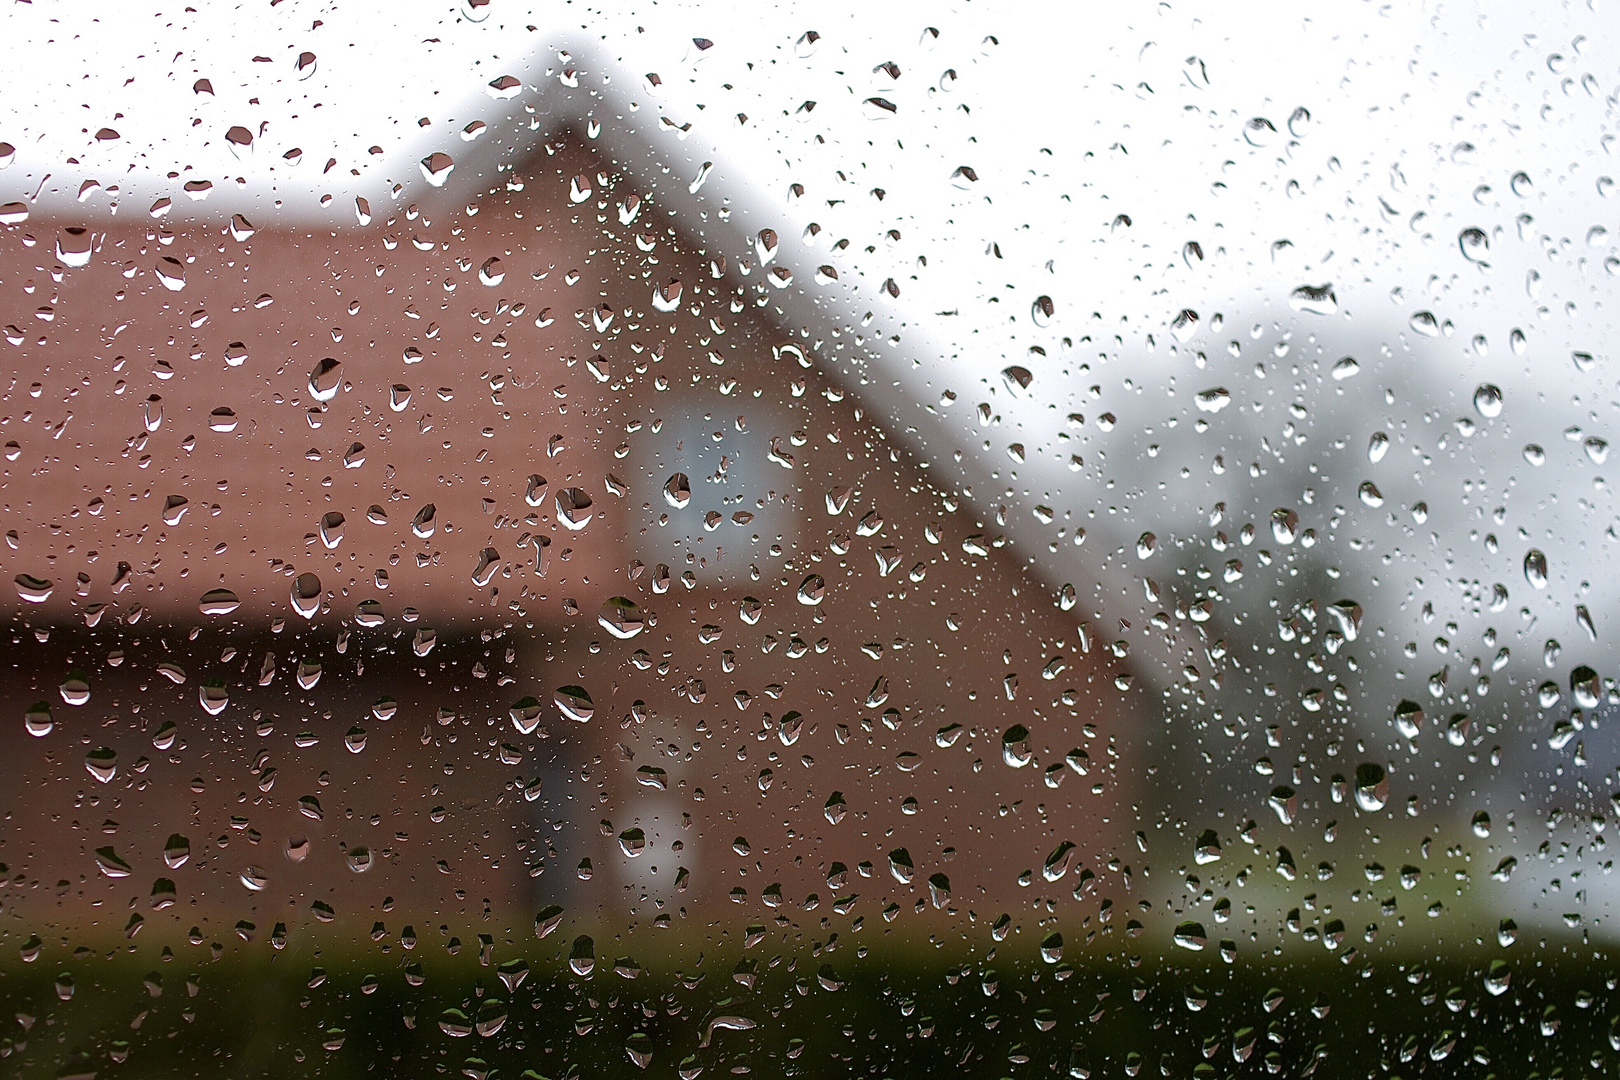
[903, 1010]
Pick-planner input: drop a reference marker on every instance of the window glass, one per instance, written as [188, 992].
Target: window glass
[840, 542]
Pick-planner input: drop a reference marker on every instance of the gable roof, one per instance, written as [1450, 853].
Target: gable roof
[857, 333]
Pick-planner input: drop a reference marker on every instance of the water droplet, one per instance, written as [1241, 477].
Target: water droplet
[213, 696]
[678, 491]
[325, 379]
[1488, 401]
[1284, 525]
[574, 508]
[620, 617]
[73, 245]
[455, 1023]
[306, 595]
[1347, 368]
[1409, 718]
[1372, 786]
[575, 703]
[32, 589]
[512, 973]
[1017, 379]
[1259, 132]
[878, 108]
[331, 529]
[1347, 615]
[491, 1017]
[1190, 935]
[1184, 325]
[1475, 245]
[436, 168]
[110, 864]
[492, 272]
[1058, 860]
[638, 1047]
[102, 763]
[582, 956]
[1284, 802]
[939, 894]
[1213, 400]
[37, 720]
[812, 589]
[547, 920]
[1585, 686]
[667, 298]
[240, 140]
[1314, 299]
[1535, 568]
[835, 808]
[75, 689]
[1015, 748]
[632, 842]
[489, 561]
[525, 714]
[171, 273]
[766, 245]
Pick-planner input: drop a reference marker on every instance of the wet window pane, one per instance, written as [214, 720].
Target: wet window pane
[841, 542]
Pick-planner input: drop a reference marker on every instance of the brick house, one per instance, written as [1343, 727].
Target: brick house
[384, 478]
